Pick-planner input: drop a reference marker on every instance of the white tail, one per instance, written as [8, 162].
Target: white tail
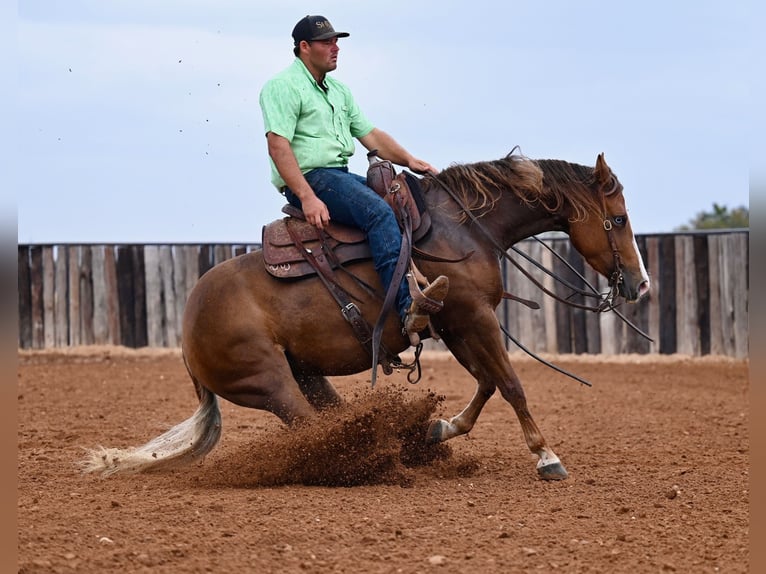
[182, 444]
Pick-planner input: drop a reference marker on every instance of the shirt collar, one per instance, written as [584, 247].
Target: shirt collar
[304, 70]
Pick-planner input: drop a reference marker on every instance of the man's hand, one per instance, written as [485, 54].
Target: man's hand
[316, 211]
[420, 167]
[389, 149]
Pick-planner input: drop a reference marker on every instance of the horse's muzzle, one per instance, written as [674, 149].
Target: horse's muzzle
[632, 287]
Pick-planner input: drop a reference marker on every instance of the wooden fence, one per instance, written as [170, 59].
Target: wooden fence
[133, 295]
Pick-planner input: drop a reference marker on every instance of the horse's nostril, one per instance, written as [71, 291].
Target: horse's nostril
[643, 289]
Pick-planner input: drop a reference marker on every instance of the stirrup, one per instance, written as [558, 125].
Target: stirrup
[425, 303]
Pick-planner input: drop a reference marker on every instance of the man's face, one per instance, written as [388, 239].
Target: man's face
[323, 55]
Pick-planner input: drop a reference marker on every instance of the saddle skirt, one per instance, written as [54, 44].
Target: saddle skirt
[283, 259]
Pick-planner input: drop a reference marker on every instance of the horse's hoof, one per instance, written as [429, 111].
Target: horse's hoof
[434, 432]
[552, 471]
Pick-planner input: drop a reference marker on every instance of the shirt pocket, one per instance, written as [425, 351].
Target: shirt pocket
[343, 121]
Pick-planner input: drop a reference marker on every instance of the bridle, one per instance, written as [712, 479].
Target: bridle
[617, 277]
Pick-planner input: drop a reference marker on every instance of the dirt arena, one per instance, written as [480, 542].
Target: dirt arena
[657, 451]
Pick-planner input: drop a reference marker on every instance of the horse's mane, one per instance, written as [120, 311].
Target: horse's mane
[548, 182]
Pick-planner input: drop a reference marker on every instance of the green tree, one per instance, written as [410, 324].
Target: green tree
[720, 218]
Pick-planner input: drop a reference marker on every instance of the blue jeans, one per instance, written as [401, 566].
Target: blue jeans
[351, 202]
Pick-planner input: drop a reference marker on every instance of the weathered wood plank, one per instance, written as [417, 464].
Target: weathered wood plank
[547, 304]
[73, 253]
[126, 288]
[100, 313]
[154, 304]
[86, 295]
[652, 300]
[170, 323]
[25, 298]
[179, 288]
[728, 297]
[139, 288]
[702, 283]
[36, 301]
[687, 341]
[61, 299]
[717, 280]
[735, 265]
[668, 295]
[111, 289]
[49, 297]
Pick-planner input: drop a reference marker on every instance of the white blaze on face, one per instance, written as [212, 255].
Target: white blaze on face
[644, 274]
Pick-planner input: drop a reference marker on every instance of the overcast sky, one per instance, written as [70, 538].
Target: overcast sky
[138, 121]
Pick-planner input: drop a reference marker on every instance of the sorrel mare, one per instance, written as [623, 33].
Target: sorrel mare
[269, 344]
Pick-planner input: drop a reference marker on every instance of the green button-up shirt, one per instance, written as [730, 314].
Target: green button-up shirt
[320, 125]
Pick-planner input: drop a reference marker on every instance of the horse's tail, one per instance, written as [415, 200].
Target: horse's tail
[180, 445]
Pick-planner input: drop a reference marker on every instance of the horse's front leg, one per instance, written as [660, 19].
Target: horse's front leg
[440, 430]
[549, 466]
[487, 360]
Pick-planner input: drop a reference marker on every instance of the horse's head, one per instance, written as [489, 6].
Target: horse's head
[606, 239]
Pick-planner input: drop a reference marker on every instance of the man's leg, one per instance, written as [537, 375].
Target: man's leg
[351, 202]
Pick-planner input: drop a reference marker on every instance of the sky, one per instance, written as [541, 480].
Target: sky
[138, 121]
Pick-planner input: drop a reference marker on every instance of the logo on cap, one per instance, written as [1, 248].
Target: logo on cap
[311, 28]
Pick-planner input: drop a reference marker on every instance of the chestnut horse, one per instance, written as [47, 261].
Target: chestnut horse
[266, 343]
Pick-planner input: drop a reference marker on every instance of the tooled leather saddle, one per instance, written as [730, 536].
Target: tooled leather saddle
[336, 243]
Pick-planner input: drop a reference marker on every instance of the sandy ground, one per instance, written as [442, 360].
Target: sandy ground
[657, 451]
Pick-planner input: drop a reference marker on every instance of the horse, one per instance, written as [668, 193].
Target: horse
[266, 343]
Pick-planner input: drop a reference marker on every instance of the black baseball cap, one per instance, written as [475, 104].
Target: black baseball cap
[311, 28]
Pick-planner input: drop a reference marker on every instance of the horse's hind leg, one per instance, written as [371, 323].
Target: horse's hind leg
[319, 391]
[270, 387]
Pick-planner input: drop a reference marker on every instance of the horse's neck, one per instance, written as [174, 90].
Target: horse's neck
[509, 222]
[524, 222]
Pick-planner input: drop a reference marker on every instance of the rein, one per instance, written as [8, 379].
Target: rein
[595, 292]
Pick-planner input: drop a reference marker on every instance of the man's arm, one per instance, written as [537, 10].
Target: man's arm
[284, 159]
[388, 148]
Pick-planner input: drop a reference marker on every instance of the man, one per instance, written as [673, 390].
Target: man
[311, 121]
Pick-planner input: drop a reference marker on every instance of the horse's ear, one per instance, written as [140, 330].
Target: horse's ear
[603, 172]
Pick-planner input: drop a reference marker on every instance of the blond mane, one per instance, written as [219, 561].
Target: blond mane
[548, 183]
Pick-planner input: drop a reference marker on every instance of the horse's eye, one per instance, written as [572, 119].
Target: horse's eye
[620, 220]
